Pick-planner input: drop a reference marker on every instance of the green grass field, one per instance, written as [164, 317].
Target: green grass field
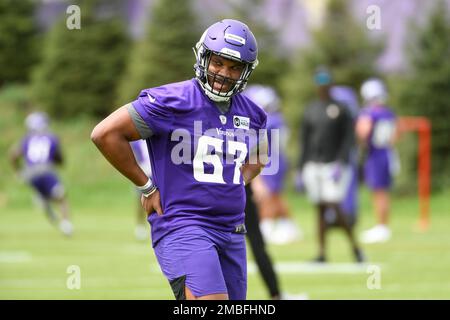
[35, 257]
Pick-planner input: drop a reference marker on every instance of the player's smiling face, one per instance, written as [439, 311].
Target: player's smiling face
[223, 73]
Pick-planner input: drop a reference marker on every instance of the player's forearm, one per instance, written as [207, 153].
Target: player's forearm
[117, 150]
[363, 129]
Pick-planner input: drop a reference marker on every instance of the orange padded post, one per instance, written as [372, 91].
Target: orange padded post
[423, 126]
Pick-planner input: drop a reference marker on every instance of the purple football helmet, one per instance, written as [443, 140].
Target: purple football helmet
[230, 39]
[37, 122]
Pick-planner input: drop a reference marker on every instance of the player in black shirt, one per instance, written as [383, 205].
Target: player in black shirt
[327, 136]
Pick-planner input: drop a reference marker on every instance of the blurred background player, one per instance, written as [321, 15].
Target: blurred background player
[349, 205]
[276, 224]
[327, 136]
[376, 131]
[40, 151]
[140, 152]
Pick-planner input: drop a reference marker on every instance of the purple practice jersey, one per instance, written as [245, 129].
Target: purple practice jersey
[196, 153]
[383, 128]
[40, 150]
[274, 179]
[379, 161]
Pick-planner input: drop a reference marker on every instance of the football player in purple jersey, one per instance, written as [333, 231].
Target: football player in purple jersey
[376, 131]
[206, 141]
[140, 152]
[276, 224]
[40, 151]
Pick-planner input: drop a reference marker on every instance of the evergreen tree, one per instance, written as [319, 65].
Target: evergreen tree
[18, 50]
[343, 46]
[272, 62]
[80, 67]
[426, 91]
[165, 54]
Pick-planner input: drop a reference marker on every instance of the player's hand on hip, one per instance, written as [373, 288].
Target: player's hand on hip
[152, 203]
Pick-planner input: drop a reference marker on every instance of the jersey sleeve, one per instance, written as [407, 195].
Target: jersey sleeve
[157, 115]
[348, 138]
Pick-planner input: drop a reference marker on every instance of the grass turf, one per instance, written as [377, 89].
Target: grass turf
[34, 256]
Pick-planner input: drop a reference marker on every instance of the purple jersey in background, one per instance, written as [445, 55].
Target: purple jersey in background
[40, 152]
[275, 181]
[379, 166]
[197, 172]
[40, 149]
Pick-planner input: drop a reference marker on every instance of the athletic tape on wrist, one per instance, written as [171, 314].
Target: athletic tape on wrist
[147, 188]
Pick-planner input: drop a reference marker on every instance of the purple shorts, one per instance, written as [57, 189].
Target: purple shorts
[377, 174]
[46, 185]
[206, 260]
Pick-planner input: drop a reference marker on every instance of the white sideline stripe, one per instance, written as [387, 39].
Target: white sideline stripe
[15, 256]
[296, 267]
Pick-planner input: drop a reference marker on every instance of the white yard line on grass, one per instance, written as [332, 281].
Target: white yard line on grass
[15, 256]
[297, 267]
